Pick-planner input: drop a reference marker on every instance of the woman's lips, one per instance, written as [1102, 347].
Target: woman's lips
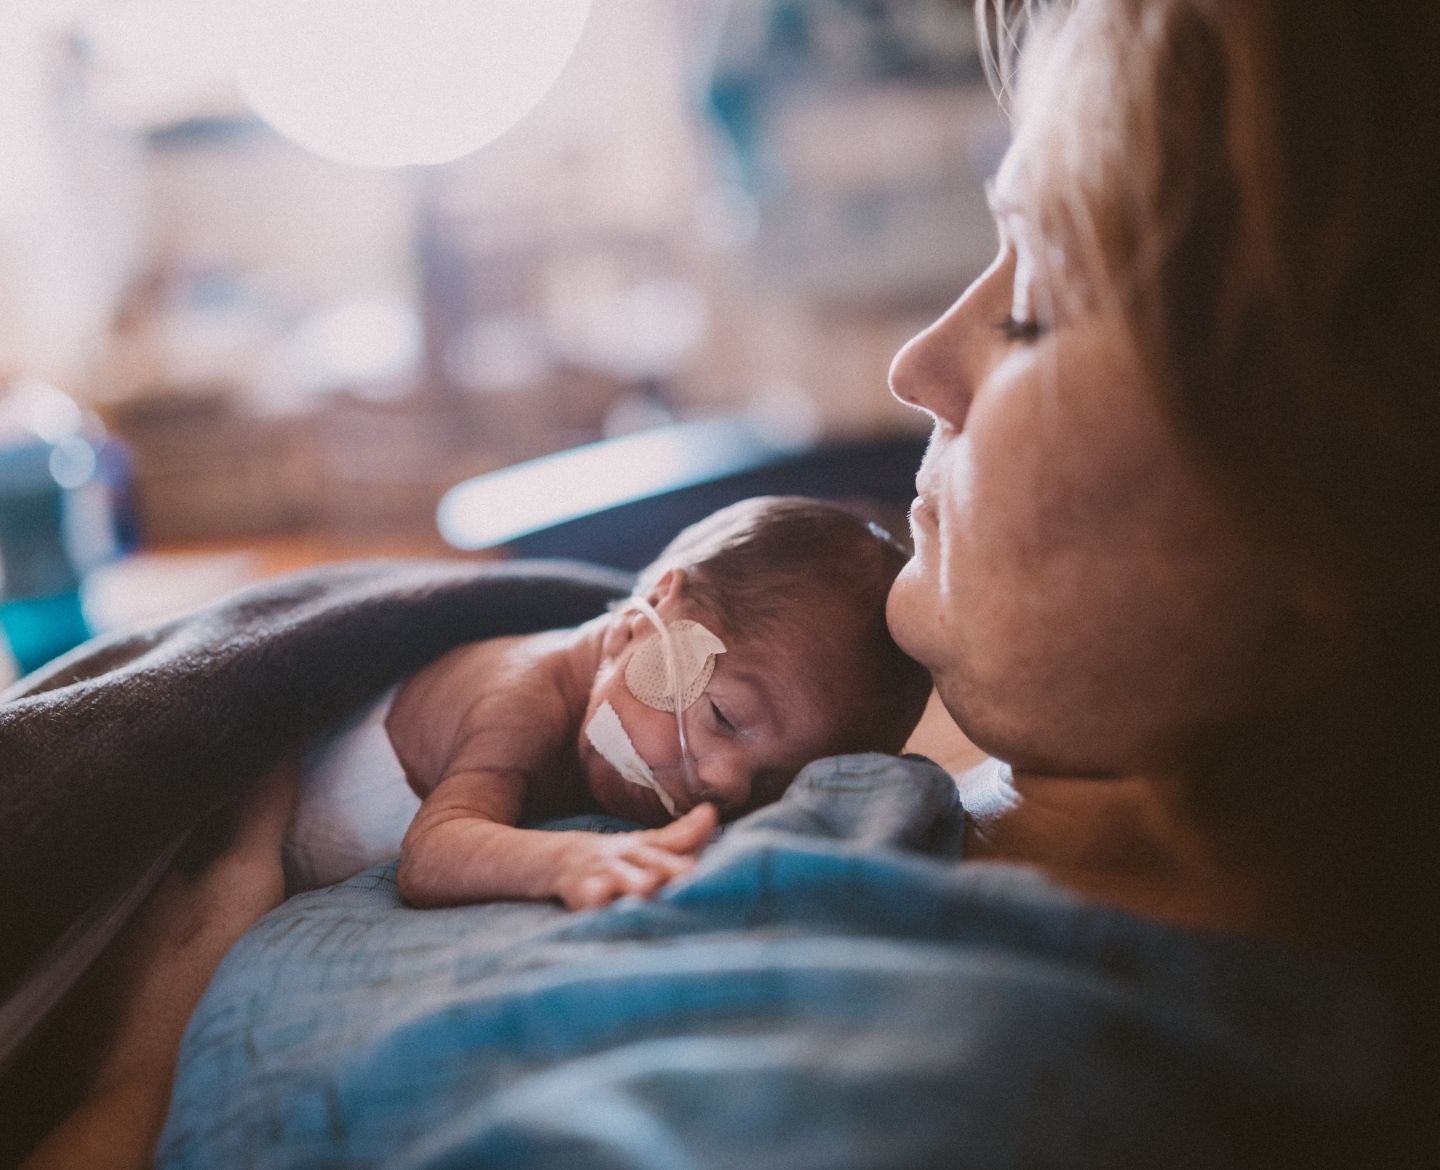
[922, 513]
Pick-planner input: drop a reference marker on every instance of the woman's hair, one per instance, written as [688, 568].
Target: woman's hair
[1254, 187]
[809, 580]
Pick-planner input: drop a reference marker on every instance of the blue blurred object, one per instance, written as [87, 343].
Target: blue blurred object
[618, 502]
[827, 988]
[59, 483]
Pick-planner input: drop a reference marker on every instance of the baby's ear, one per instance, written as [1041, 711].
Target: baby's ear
[669, 590]
[618, 632]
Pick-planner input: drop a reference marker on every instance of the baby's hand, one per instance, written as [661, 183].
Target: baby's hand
[593, 869]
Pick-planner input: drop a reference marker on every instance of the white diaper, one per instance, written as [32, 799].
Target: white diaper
[354, 804]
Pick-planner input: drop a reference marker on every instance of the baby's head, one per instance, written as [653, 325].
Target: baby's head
[775, 610]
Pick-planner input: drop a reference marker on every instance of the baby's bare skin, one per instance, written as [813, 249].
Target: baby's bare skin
[487, 737]
[490, 737]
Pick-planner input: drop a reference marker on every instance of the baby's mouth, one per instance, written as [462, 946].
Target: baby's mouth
[673, 805]
[676, 799]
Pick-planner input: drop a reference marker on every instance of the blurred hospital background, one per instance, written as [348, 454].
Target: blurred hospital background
[222, 353]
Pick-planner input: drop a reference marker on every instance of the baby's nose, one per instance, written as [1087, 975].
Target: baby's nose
[727, 787]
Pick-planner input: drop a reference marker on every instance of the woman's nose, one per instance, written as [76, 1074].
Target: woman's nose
[920, 375]
[939, 368]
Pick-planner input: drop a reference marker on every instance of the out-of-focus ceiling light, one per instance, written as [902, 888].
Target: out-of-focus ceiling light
[399, 82]
[154, 64]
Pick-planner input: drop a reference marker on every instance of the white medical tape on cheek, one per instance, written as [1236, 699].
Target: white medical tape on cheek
[687, 757]
[648, 674]
[608, 736]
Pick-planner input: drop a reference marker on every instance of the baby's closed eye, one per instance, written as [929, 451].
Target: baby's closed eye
[722, 722]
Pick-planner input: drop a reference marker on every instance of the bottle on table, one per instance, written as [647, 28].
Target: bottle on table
[57, 522]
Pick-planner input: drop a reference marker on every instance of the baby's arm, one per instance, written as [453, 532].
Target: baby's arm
[458, 850]
[474, 732]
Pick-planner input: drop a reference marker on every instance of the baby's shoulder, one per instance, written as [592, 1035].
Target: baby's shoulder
[479, 667]
[477, 687]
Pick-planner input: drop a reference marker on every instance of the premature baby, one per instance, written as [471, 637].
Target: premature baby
[755, 643]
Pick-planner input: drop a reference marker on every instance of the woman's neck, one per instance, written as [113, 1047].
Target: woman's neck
[1120, 841]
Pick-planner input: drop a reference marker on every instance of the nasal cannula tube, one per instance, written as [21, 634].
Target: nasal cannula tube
[672, 668]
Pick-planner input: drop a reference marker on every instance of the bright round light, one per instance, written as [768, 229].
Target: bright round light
[395, 82]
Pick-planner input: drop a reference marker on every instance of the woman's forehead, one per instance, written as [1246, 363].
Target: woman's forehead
[1000, 190]
[1014, 204]
[1016, 189]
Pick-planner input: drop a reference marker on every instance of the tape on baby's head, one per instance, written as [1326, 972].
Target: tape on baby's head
[693, 647]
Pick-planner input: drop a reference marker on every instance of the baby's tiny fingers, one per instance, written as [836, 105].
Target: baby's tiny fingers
[637, 879]
[661, 861]
[592, 892]
[689, 834]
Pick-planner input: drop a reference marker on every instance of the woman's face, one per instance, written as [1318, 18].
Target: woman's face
[1077, 592]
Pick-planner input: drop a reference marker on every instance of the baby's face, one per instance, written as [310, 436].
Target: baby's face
[761, 717]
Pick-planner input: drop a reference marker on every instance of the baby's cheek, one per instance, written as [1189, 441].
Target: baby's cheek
[660, 751]
[653, 732]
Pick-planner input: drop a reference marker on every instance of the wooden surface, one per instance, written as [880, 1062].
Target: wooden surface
[164, 581]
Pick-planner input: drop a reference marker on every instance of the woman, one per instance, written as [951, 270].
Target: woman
[1174, 564]
[1175, 529]
[1176, 521]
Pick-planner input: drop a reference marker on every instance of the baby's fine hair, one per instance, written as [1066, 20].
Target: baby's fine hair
[773, 568]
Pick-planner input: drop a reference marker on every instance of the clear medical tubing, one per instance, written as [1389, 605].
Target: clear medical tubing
[672, 668]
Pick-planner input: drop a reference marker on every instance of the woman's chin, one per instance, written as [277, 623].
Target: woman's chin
[906, 612]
